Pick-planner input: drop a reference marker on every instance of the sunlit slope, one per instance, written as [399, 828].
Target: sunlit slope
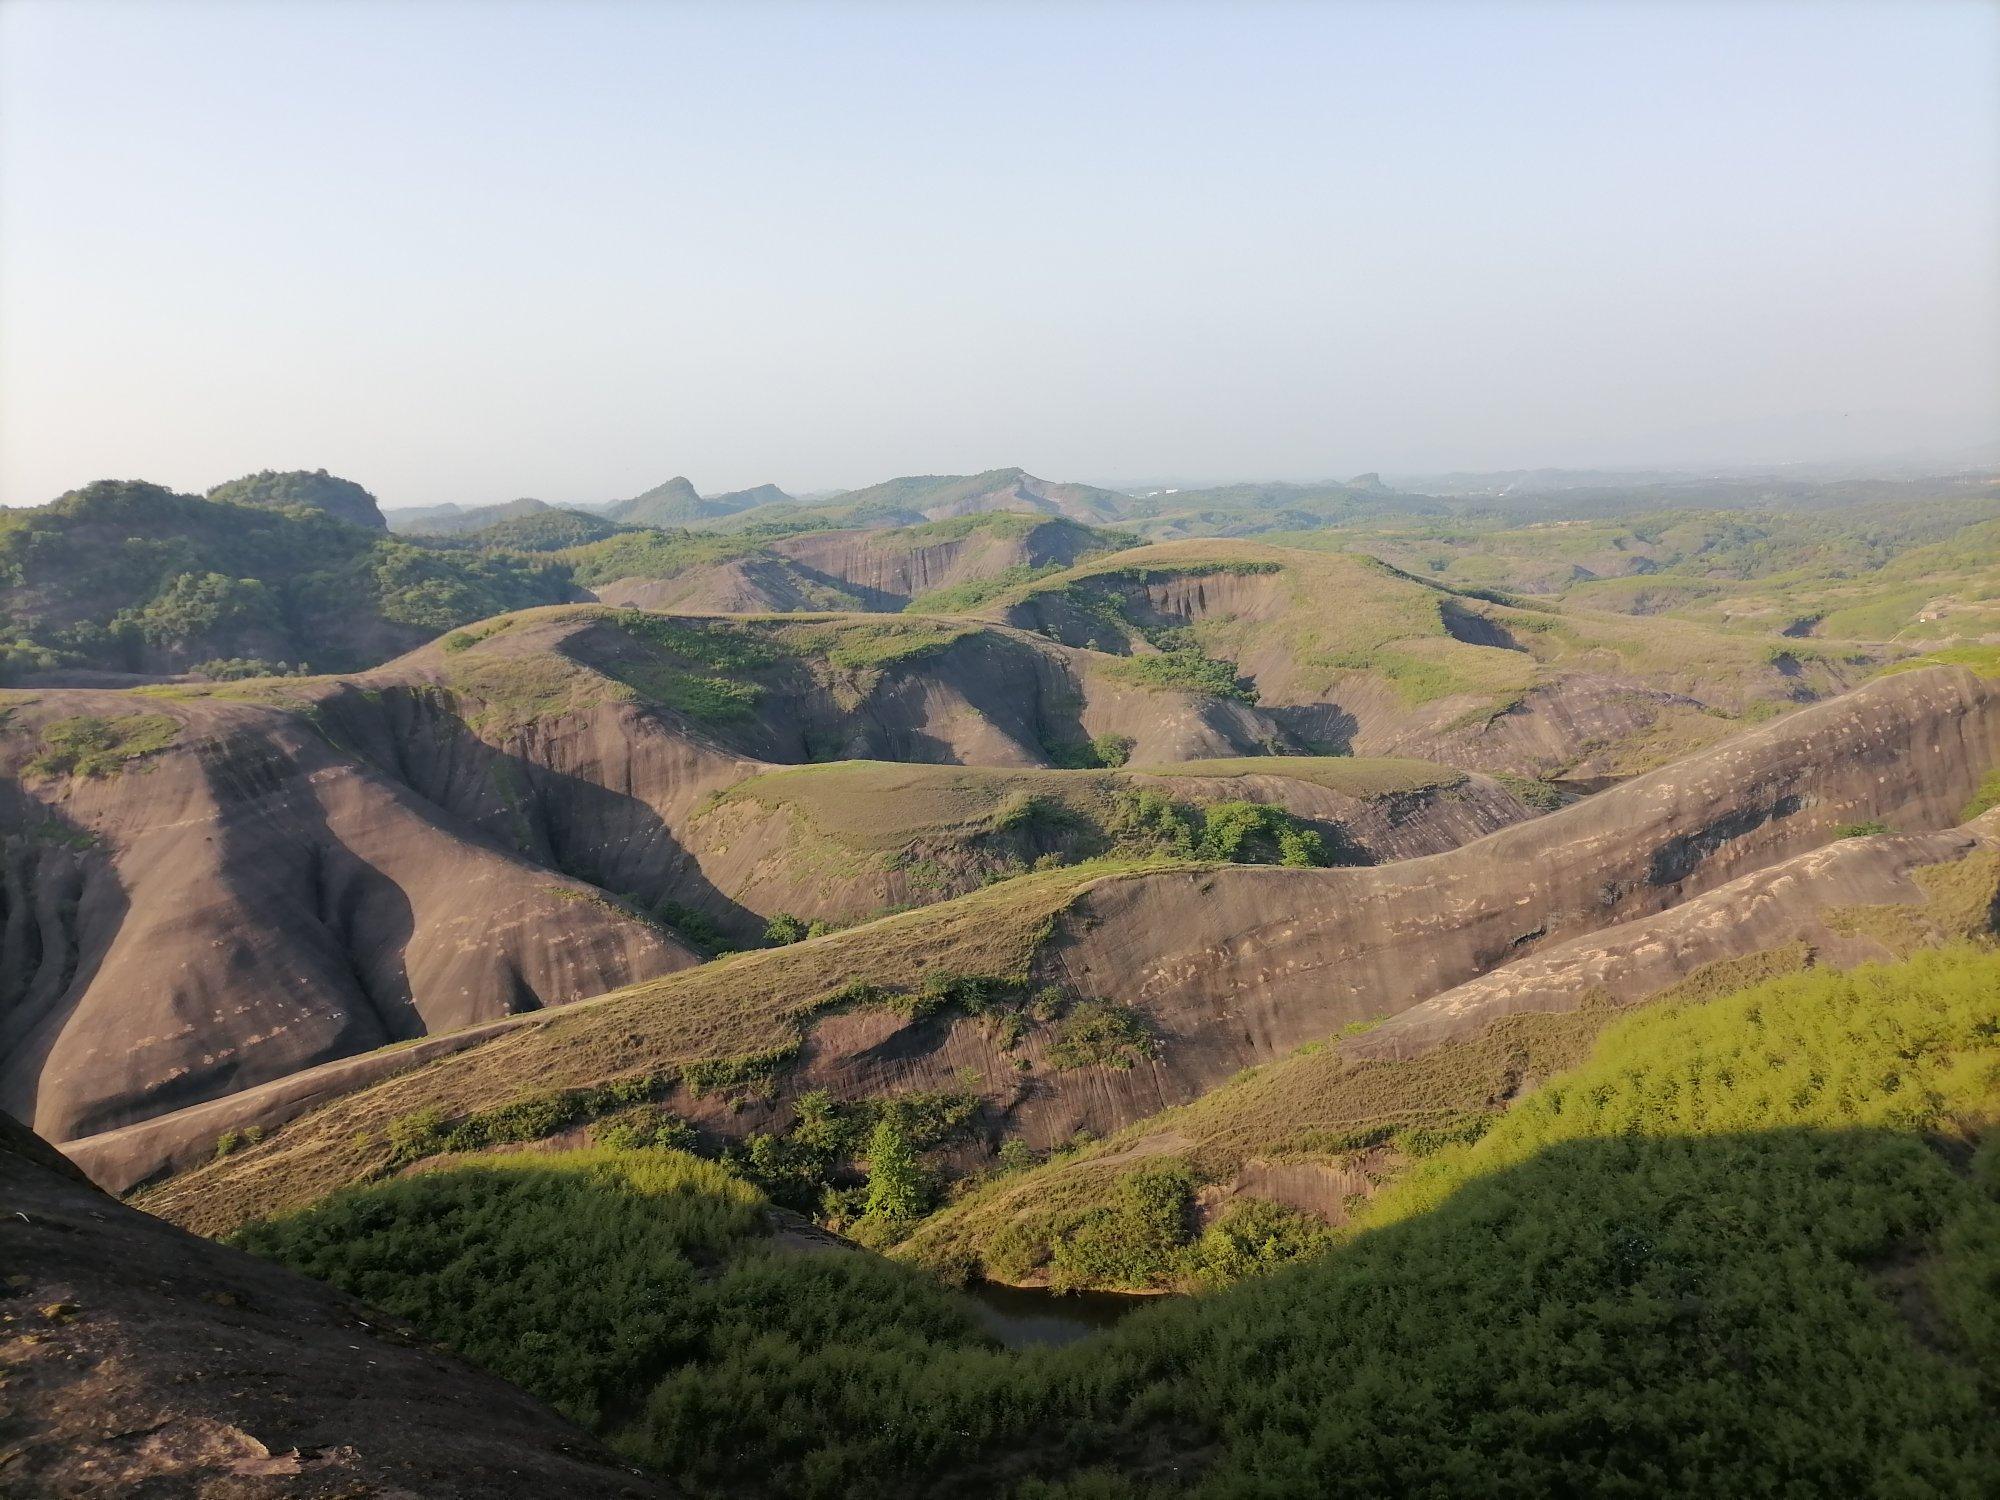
[1750, 1237]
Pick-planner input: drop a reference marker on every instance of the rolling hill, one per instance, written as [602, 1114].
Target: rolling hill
[1201, 970]
[128, 577]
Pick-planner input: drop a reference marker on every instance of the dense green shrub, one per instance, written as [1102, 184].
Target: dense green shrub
[1243, 833]
[1254, 1236]
[1101, 1033]
[1182, 671]
[1137, 1243]
[532, 1117]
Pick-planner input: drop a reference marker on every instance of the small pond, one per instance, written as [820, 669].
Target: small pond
[1025, 1317]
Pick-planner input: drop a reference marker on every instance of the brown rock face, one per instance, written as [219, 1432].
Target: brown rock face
[249, 902]
[140, 1360]
[1277, 957]
[1237, 966]
[1799, 901]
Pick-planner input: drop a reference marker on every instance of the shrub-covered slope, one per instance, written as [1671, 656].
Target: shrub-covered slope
[1747, 1242]
[1344, 653]
[930, 566]
[1319, 1131]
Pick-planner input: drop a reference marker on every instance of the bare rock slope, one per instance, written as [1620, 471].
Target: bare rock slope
[241, 900]
[142, 1361]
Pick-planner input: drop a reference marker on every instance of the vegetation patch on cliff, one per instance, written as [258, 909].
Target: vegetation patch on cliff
[88, 746]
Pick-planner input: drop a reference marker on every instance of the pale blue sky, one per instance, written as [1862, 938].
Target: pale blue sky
[472, 251]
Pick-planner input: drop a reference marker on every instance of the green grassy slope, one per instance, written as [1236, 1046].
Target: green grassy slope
[1749, 1245]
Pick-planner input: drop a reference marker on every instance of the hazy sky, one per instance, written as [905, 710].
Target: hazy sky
[473, 251]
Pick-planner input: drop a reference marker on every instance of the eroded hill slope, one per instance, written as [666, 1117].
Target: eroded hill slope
[258, 878]
[1213, 968]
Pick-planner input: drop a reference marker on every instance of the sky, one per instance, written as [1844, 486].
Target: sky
[468, 252]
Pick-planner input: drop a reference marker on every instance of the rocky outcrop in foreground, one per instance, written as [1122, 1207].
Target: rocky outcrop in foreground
[139, 1360]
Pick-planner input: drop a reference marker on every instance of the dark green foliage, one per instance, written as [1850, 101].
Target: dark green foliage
[240, 668]
[694, 928]
[720, 1075]
[667, 553]
[959, 598]
[826, 1146]
[785, 929]
[1073, 755]
[532, 1117]
[899, 1190]
[645, 1129]
[1112, 749]
[1243, 833]
[942, 990]
[1136, 1243]
[133, 577]
[1101, 1034]
[342, 499]
[1253, 1236]
[543, 531]
[1742, 1251]
[1531, 793]
[487, 1259]
[204, 606]
[1183, 671]
[1861, 830]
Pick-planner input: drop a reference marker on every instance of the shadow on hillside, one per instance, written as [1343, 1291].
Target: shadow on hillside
[570, 824]
[1631, 1315]
[282, 863]
[1317, 728]
[61, 904]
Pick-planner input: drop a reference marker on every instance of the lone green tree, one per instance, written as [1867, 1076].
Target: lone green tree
[897, 1187]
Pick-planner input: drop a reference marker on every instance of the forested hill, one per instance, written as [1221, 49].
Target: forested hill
[125, 576]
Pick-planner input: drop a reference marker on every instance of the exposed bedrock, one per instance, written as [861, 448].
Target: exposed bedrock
[1812, 899]
[1237, 966]
[875, 569]
[155, 1362]
[250, 902]
[1261, 946]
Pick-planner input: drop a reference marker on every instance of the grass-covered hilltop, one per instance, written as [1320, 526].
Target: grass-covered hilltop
[993, 986]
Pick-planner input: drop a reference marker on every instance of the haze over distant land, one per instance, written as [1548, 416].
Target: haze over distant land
[474, 252]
